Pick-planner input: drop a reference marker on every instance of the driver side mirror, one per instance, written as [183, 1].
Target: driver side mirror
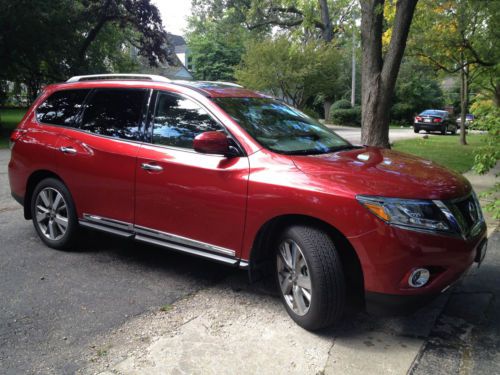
[215, 143]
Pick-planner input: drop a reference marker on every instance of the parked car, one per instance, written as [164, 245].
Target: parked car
[434, 120]
[469, 120]
[228, 174]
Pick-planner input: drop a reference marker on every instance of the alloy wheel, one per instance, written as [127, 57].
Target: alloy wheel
[294, 277]
[51, 213]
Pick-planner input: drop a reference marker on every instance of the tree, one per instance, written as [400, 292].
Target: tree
[466, 43]
[44, 41]
[215, 47]
[292, 71]
[379, 73]
[139, 15]
[300, 21]
[417, 89]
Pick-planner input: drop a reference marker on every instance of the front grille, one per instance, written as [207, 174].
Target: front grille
[467, 212]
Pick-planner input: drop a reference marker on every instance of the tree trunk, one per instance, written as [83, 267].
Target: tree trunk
[327, 32]
[92, 35]
[464, 99]
[378, 77]
[496, 95]
[327, 105]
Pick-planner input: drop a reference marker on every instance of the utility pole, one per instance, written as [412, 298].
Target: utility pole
[353, 88]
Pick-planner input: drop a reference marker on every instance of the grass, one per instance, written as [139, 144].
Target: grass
[444, 150]
[166, 308]
[9, 118]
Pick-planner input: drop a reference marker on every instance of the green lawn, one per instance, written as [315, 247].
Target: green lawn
[444, 150]
[9, 118]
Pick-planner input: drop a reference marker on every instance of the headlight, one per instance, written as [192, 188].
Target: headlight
[408, 213]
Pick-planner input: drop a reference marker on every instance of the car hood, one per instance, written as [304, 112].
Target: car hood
[382, 172]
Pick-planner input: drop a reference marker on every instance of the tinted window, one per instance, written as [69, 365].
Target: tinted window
[434, 112]
[62, 107]
[114, 112]
[177, 121]
[281, 128]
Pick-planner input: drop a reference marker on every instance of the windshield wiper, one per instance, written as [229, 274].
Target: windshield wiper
[319, 151]
[343, 148]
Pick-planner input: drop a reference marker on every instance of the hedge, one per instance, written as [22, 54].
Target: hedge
[348, 116]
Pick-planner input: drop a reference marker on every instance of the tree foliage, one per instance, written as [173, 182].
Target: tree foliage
[467, 45]
[292, 71]
[417, 89]
[322, 19]
[215, 46]
[44, 41]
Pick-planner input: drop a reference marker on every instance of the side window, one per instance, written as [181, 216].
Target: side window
[177, 121]
[61, 108]
[115, 113]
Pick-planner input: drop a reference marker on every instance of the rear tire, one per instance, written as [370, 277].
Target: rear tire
[416, 130]
[310, 277]
[54, 214]
[444, 130]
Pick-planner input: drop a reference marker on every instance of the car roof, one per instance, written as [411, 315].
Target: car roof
[211, 89]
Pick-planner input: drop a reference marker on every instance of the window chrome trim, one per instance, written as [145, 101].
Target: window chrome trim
[148, 130]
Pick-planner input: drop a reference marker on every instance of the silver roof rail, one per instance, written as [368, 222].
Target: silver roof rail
[93, 77]
[232, 84]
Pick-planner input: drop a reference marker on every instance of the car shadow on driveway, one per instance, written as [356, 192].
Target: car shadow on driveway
[355, 322]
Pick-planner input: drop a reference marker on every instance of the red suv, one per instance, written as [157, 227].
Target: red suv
[217, 171]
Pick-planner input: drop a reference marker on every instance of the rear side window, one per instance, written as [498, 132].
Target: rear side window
[177, 121]
[61, 108]
[114, 113]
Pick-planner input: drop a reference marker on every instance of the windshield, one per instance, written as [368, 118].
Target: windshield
[281, 128]
[433, 112]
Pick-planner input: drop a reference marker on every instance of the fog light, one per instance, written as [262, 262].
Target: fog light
[419, 277]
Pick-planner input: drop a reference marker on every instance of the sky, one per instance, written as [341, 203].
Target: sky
[174, 14]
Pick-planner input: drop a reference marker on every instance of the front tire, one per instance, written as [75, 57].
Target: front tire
[310, 277]
[54, 214]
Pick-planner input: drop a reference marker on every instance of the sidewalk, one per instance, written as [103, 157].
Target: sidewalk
[235, 327]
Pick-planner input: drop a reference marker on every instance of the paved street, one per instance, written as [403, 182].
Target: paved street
[127, 308]
[353, 135]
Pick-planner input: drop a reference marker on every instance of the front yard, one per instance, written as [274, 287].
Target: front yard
[9, 118]
[444, 150]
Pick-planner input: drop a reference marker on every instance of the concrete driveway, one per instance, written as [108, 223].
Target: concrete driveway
[54, 304]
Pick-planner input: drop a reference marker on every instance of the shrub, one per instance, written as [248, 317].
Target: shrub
[402, 112]
[487, 156]
[341, 104]
[311, 112]
[350, 116]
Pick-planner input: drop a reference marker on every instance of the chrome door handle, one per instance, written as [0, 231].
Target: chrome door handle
[151, 167]
[67, 150]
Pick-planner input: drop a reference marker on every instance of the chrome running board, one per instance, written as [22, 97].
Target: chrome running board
[163, 239]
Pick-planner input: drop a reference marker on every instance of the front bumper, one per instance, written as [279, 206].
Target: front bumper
[433, 127]
[389, 254]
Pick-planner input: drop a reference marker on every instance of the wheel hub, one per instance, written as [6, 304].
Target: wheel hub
[51, 213]
[293, 277]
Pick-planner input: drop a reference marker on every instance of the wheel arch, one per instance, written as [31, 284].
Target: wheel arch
[261, 262]
[31, 183]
